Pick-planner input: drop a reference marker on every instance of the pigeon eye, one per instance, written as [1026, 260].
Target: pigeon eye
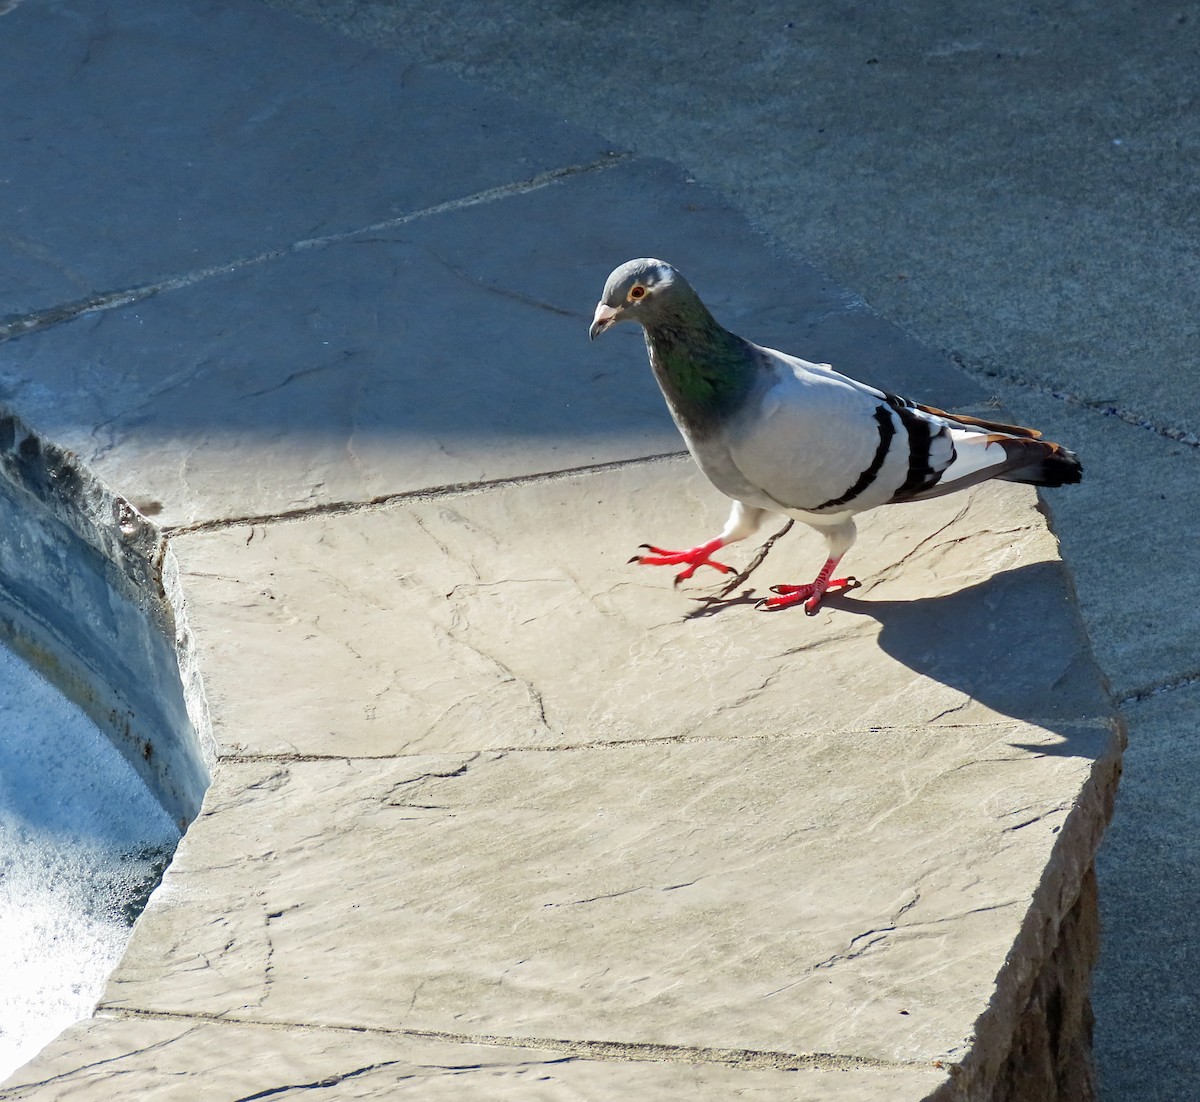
[638, 291]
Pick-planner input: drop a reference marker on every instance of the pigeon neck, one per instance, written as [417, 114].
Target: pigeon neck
[704, 370]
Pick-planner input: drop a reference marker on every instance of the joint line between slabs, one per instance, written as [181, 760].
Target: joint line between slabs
[1167, 432]
[630, 1051]
[38, 320]
[430, 493]
[1145, 692]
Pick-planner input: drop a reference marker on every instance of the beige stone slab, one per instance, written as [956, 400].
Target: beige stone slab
[512, 618]
[850, 894]
[198, 1061]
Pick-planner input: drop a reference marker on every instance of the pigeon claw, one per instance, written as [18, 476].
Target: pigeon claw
[693, 559]
[809, 594]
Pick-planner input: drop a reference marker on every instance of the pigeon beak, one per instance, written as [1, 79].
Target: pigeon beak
[605, 316]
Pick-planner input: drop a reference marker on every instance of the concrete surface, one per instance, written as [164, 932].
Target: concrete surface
[1149, 865]
[319, 315]
[1018, 186]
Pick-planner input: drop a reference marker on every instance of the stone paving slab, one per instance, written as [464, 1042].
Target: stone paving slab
[195, 1061]
[452, 349]
[157, 140]
[515, 612]
[1015, 184]
[751, 894]
[626, 889]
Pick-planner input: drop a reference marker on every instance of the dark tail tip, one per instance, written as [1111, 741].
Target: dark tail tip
[1057, 467]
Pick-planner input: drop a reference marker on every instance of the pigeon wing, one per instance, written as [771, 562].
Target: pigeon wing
[815, 440]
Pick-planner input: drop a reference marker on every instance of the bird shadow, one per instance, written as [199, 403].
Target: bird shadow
[1012, 642]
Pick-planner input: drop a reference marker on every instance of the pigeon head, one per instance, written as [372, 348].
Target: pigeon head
[639, 290]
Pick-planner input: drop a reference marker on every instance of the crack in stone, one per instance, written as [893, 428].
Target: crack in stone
[746, 697]
[21, 324]
[1035, 819]
[301, 373]
[175, 382]
[441, 545]
[970, 911]
[428, 775]
[510, 676]
[685, 884]
[288, 758]
[906, 907]
[269, 962]
[323, 1084]
[628, 1051]
[23, 1089]
[273, 782]
[597, 898]
[951, 710]
[505, 582]
[504, 292]
[876, 936]
[884, 573]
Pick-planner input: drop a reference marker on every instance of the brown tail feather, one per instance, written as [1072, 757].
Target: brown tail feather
[990, 426]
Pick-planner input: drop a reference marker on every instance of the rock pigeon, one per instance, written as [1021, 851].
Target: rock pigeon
[778, 434]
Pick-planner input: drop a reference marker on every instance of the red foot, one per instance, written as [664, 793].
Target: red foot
[696, 557]
[811, 594]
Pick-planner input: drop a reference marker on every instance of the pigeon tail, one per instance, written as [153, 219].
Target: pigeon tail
[1031, 459]
[1051, 465]
[978, 456]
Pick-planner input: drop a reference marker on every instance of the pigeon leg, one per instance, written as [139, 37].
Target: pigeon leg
[811, 593]
[744, 520]
[840, 538]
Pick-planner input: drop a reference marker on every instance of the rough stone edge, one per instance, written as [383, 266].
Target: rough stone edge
[1040, 1010]
[1051, 1056]
[142, 573]
[170, 585]
[59, 480]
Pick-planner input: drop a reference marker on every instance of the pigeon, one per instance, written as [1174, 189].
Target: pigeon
[779, 434]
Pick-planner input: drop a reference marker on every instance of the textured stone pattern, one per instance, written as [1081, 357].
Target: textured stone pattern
[569, 810]
[1051, 1057]
[1014, 184]
[823, 866]
[184, 1060]
[516, 612]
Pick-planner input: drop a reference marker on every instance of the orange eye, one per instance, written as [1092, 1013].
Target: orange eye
[637, 291]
